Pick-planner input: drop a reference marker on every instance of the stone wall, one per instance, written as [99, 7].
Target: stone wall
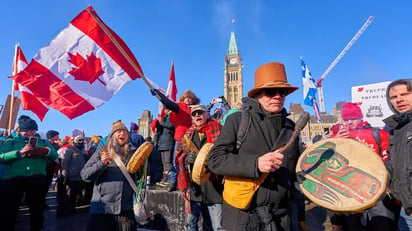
[166, 210]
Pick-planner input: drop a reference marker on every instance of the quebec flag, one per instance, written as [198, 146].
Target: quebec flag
[309, 87]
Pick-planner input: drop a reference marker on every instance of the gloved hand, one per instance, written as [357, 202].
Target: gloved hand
[190, 157]
[154, 92]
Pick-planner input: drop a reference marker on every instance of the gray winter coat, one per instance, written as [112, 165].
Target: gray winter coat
[112, 192]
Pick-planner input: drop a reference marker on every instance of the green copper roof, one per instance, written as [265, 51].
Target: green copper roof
[232, 45]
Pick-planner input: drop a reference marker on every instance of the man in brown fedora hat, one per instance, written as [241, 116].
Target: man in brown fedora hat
[255, 154]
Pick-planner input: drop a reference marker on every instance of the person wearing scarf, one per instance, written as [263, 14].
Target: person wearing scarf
[198, 197]
[180, 117]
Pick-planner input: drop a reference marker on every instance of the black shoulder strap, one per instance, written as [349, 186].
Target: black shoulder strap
[7, 138]
[377, 136]
[244, 124]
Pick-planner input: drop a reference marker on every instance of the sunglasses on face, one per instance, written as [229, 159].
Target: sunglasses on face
[274, 91]
[197, 113]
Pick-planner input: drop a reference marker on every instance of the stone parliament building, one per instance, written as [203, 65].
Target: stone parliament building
[233, 93]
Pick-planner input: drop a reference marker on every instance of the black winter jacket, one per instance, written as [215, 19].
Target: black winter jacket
[266, 133]
[399, 163]
[165, 132]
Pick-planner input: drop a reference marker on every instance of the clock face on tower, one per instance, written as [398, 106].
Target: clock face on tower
[232, 61]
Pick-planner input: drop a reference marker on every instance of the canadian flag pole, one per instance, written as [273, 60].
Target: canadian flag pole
[118, 46]
[10, 119]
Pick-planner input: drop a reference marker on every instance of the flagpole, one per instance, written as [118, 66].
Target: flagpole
[118, 46]
[13, 84]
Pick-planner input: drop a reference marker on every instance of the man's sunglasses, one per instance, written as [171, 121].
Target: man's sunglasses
[275, 91]
[197, 113]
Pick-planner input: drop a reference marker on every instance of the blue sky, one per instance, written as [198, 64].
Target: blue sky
[195, 34]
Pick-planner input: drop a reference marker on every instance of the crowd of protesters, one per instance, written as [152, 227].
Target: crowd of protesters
[82, 167]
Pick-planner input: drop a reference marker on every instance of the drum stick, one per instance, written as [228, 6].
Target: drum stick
[300, 124]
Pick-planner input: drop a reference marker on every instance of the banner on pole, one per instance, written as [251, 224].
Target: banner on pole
[5, 116]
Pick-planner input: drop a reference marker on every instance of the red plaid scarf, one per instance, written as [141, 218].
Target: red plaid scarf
[212, 130]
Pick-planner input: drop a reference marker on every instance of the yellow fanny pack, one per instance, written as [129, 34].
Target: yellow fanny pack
[238, 191]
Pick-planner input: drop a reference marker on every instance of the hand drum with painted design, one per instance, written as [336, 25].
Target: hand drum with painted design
[342, 175]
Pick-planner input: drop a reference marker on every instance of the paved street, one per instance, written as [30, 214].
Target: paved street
[76, 222]
[316, 217]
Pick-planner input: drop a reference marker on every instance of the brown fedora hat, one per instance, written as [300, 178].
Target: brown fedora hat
[271, 75]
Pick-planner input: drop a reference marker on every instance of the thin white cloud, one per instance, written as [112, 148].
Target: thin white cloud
[254, 11]
[222, 16]
[246, 12]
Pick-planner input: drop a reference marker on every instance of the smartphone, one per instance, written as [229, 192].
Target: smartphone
[33, 141]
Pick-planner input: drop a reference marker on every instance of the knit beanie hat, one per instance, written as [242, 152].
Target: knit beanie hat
[51, 133]
[118, 125]
[351, 111]
[26, 123]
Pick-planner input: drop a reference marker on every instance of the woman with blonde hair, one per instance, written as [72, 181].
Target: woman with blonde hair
[111, 206]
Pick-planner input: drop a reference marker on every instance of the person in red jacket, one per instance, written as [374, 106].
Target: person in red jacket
[381, 216]
[181, 118]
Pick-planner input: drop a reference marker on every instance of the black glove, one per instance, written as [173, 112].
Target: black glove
[190, 158]
[154, 92]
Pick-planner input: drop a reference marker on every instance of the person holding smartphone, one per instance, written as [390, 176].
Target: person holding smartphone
[24, 157]
[380, 216]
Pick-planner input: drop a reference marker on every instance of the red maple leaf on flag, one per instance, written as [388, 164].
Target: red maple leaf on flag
[360, 89]
[89, 69]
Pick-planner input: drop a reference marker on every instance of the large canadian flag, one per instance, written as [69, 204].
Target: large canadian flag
[27, 99]
[81, 68]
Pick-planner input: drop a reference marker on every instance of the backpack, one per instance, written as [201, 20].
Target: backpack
[239, 191]
[245, 122]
